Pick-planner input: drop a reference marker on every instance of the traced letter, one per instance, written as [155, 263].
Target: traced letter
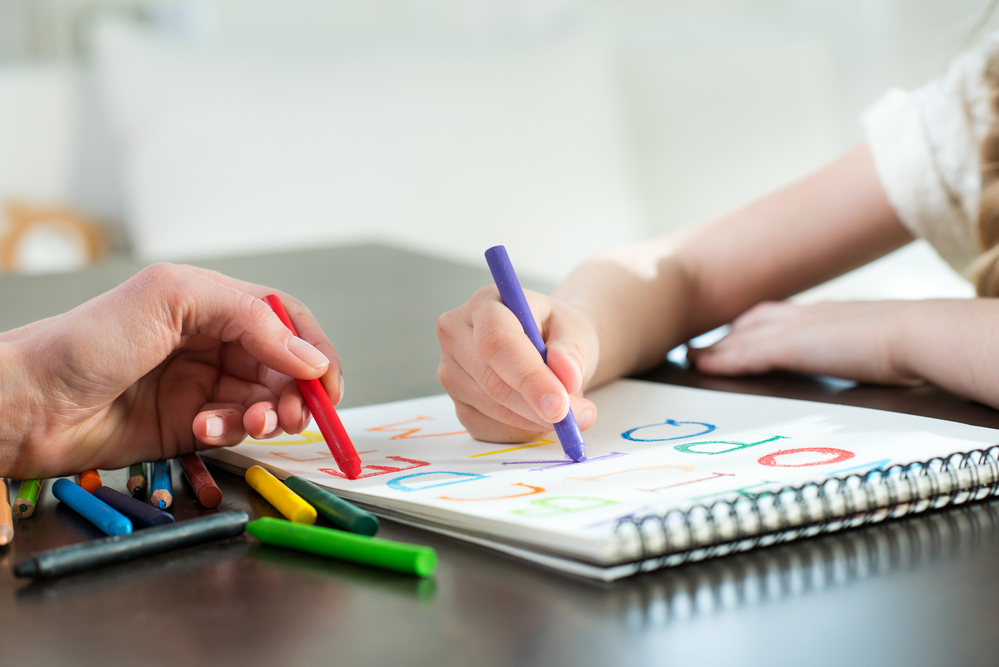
[705, 429]
[513, 449]
[564, 462]
[379, 470]
[836, 454]
[714, 475]
[533, 490]
[399, 486]
[687, 448]
[322, 456]
[594, 478]
[741, 492]
[543, 507]
[410, 433]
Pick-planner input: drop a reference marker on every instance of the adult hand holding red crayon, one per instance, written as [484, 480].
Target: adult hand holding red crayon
[174, 360]
[319, 402]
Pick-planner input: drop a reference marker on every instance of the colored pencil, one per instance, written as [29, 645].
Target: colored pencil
[97, 512]
[322, 409]
[513, 298]
[6, 518]
[208, 492]
[106, 551]
[137, 478]
[388, 555]
[161, 489]
[280, 496]
[27, 498]
[90, 480]
[139, 513]
[337, 510]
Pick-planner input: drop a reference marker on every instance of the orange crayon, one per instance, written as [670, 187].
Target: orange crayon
[90, 480]
[6, 518]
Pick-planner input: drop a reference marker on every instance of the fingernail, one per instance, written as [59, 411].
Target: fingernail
[585, 420]
[551, 406]
[214, 427]
[307, 353]
[270, 421]
[341, 390]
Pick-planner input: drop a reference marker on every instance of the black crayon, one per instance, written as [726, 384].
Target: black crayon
[120, 548]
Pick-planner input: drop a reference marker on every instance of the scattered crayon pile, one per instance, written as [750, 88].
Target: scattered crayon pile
[118, 514]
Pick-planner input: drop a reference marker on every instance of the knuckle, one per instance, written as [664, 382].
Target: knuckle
[159, 276]
[444, 324]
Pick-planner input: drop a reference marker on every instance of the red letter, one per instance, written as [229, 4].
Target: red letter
[836, 454]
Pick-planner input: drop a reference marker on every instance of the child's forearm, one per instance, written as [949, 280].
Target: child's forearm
[646, 299]
[950, 343]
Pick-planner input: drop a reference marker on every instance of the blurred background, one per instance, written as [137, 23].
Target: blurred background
[201, 128]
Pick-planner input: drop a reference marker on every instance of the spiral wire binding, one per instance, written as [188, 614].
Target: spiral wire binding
[807, 567]
[790, 513]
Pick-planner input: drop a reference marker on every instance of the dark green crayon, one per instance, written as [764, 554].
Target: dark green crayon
[397, 556]
[337, 510]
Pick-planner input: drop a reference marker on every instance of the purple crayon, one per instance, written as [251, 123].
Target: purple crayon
[513, 298]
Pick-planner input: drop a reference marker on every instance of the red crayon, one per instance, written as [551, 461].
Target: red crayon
[208, 492]
[321, 406]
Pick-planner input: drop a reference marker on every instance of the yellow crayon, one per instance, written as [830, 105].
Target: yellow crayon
[284, 499]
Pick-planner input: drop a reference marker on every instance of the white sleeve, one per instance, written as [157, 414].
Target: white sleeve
[925, 146]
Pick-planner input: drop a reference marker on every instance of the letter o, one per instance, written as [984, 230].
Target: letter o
[836, 454]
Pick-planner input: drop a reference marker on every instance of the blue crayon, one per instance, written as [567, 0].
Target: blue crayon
[140, 513]
[90, 508]
[513, 298]
[161, 488]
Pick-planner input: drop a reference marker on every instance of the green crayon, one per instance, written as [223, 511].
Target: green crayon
[337, 510]
[406, 558]
[27, 498]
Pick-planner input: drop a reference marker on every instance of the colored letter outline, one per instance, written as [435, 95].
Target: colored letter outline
[399, 486]
[534, 490]
[410, 433]
[543, 504]
[628, 435]
[513, 449]
[840, 455]
[666, 466]
[564, 462]
[685, 447]
[380, 470]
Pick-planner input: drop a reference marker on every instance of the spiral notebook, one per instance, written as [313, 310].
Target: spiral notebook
[674, 474]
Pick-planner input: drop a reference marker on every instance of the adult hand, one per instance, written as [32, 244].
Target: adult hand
[502, 390]
[174, 360]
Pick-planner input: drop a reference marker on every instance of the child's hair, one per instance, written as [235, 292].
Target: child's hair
[987, 268]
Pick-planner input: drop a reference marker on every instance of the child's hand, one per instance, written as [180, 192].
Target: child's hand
[171, 361]
[852, 340]
[502, 390]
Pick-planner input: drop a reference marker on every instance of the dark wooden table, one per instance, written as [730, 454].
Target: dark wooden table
[923, 591]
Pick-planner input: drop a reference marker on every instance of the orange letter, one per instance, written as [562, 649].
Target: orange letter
[533, 490]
